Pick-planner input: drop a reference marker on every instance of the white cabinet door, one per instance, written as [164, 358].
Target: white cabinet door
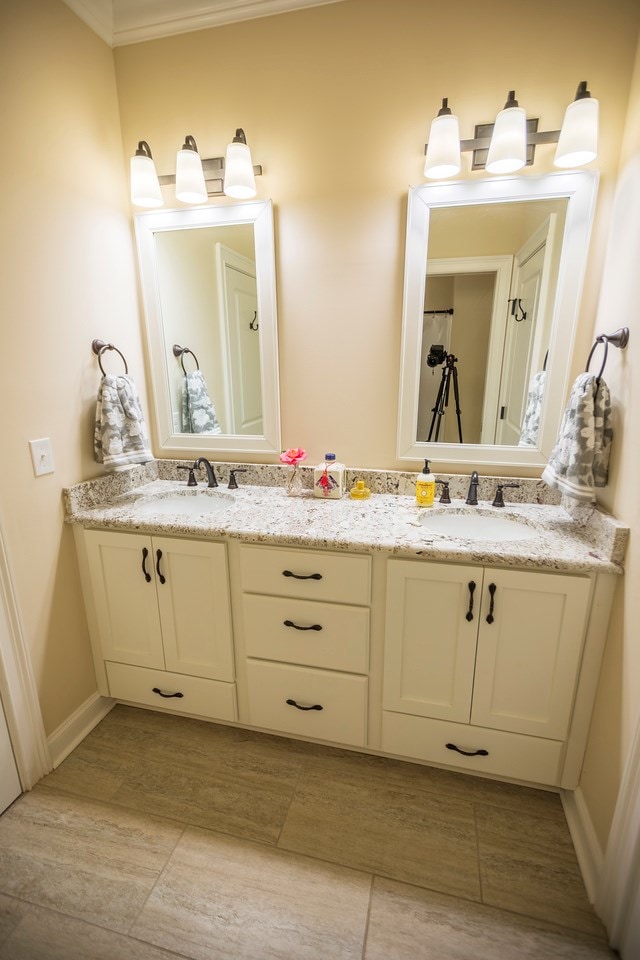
[121, 568]
[430, 644]
[193, 597]
[9, 782]
[529, 655]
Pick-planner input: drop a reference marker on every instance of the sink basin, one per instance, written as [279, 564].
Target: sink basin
[477, 526]
[192, 503]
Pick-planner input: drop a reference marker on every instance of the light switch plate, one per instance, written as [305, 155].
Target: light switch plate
[42, 456]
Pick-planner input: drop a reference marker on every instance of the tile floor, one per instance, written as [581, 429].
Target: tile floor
[162, 837]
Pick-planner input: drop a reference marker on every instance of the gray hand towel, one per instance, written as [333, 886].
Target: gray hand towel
[531, 420]
[579, 461]
[120, 436]
[198, 415]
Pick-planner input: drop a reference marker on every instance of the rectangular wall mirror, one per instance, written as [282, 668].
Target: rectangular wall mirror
[208, 282]
[493, 276]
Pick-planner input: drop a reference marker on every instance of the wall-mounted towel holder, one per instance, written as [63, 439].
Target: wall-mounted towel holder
[100, 347]
[620, 338]
[179, 351]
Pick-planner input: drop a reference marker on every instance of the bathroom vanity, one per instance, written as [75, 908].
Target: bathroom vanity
[352, 623]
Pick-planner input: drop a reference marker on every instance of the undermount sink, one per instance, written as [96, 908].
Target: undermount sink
[474, 526]
[190, 502]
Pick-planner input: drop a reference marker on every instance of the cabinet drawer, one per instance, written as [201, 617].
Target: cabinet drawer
[308, 574]
[325, 635]
[343, 699]
[509, 754]
[203, 698]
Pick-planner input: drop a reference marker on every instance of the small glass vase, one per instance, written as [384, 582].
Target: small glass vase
[294, 485]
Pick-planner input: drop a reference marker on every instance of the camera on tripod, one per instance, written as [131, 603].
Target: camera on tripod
[437, 355]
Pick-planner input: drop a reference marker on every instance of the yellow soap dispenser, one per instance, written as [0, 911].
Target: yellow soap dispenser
[425, 487]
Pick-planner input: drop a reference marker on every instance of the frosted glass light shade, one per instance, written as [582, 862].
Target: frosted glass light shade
[190, 185]
[443, 148]
[508, 147]
[578, 143]
[145, 188]
[239, 181]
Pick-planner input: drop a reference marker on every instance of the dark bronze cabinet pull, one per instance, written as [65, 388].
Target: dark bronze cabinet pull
[472, 587]
[467, 753]
[161, 576]
[145, 554]
[299, 576]
[167, 696]
[290, 623]
[492, 593]
[292, 703]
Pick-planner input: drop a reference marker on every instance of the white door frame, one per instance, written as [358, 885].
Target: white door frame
[618, 898]
[17, 687]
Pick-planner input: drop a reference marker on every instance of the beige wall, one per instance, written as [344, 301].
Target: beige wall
[336, 102]
[617, 709]
[67, 276]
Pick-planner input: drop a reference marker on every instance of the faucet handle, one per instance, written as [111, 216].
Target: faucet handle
[233, 483]
[498, 500]
[191, 482]
[445, 496]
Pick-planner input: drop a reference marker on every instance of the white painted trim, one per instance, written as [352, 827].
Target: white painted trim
[585, 839]
[79, 725]
[97, 14]
[18, 687]
[185, 16]
[619, 889]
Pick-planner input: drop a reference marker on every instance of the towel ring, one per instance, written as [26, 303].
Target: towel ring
[99, 347]
[179, 351]
[619, 339]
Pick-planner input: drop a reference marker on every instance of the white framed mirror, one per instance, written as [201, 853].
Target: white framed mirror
[493, 276]
[208, 283]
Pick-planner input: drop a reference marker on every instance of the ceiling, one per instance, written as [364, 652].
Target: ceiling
[120, 22]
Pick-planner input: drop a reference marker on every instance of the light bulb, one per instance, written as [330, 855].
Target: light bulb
[508, 147]
[145, 187]
[578, 143]
[190, 185]
[443, 148]
[239, 181]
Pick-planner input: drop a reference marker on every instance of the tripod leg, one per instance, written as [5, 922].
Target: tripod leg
[456, 395]
[438, 409]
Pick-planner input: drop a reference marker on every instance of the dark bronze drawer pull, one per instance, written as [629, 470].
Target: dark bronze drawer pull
[472, 587]
[292, 703]
[298, 576]
[167, 696]
[145, 554]
[290, 623]
[467, 753]
[161, 576]
[492, 593]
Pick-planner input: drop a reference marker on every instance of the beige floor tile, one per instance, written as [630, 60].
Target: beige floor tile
[528, 865]
[407, 923]
[46, 935]
[11, 913]
[361, 818]
[80, 857]
[221, 898]
[92, 770]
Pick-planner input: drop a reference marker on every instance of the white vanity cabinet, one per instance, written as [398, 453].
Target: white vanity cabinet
[160, 620]
[482, 665]
[304, 635]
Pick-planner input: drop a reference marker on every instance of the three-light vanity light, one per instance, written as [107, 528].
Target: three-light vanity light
[195, 179]
[508, 144]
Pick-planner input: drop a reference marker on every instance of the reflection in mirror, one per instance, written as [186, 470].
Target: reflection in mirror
[490, 293]
[493, 274]
[208, 281]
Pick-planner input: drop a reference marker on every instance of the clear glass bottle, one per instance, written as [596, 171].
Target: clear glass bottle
[328, 478]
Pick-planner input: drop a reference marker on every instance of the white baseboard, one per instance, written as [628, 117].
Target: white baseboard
[76, 727]
[585, 840]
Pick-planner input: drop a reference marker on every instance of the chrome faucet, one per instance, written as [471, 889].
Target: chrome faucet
[472, 494]
[211, 477]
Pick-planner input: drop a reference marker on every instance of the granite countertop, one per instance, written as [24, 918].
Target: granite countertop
[391, 523]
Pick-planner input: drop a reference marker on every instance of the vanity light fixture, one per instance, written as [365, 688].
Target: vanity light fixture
[190, 185]
[145, 188]
[195, 179]
[239, 181]
[508, 144]
[443, 149]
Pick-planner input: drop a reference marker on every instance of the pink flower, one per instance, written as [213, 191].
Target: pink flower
[293, 455]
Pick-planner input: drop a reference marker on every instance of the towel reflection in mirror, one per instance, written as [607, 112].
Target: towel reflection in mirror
[197, 412]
